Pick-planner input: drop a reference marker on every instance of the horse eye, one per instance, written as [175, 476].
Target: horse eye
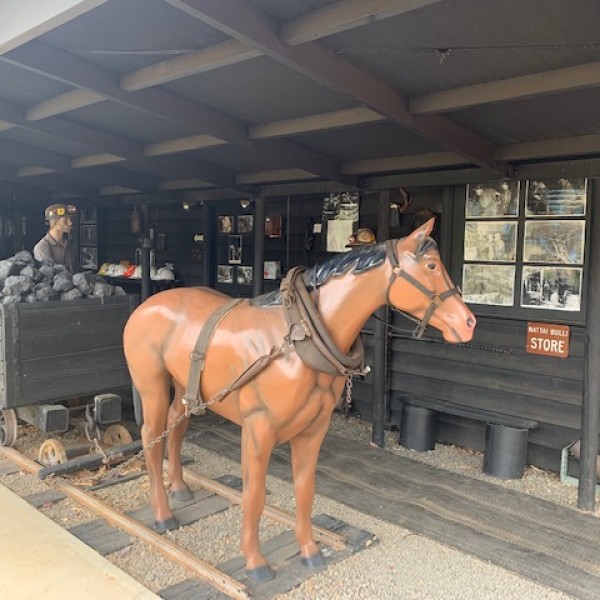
[431, 266]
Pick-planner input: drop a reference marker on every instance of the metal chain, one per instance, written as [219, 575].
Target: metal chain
[348, 401]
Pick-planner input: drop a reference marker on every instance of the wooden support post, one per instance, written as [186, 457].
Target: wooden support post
[259, 246]
[590, 408]
[146, 244]
[380, 337]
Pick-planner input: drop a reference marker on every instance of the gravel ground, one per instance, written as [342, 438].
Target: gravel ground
[401, 563]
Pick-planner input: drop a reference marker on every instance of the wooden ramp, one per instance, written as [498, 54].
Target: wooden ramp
[549, 544]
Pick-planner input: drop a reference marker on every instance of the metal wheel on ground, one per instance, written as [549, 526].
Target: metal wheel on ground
[8, 427]
[52, 452]
[117, 435]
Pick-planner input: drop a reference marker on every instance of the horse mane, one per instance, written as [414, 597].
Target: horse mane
[360, 259]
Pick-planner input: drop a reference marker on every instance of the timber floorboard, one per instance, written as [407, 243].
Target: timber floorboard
[549, 544]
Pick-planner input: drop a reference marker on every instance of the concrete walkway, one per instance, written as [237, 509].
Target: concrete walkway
[40, 560]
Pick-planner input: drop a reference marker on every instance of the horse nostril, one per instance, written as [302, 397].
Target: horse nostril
[471, 322]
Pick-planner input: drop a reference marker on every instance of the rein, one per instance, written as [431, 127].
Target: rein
[435, 299]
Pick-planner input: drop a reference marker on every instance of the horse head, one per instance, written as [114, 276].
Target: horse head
[421, 286]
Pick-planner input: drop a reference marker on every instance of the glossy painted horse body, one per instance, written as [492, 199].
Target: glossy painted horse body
[288, 401]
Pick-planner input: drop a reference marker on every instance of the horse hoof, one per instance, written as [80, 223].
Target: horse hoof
[167, 525]
[264, 573]
[314, 562]
[182, 495]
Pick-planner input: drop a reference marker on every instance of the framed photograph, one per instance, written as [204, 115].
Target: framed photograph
[273, 226]
[89, 235]
[225, 224]
[491, 241]
[245, 224]
[235, 249]
[244, 275]
[89, 258]
[272, 269]
[489, 284]
[554, 242]
[224, 274]
[88, 214]
[492, 199]
[551, 288]
[556, 197]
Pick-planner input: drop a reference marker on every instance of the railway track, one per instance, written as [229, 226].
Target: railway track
[337, 538]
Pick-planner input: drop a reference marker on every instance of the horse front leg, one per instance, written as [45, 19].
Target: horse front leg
[179, 490]
[305, 448]
[258, 441]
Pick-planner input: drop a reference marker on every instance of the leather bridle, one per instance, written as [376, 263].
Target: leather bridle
[435, 299]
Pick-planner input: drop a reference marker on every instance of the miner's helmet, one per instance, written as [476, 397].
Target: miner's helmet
[55, 211]
[363, 237]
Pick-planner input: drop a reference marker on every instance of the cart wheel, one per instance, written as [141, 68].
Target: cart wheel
[52, 453]
[117, 435]
[8, 427]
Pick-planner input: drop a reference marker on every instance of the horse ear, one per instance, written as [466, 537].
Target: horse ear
[419, 234]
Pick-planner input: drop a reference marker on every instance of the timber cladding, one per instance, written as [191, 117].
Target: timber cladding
[494, 372]
[56, 350]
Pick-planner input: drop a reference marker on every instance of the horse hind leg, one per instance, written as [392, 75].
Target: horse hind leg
[154, 393]
[179, 490]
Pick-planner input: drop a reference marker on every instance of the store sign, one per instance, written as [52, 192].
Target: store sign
[548, 339]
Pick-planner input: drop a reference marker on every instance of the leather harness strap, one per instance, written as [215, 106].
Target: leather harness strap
[192, 397]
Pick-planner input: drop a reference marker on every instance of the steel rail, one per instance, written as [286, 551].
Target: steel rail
[199, 568]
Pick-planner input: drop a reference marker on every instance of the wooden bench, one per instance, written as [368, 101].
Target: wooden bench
[506, 436]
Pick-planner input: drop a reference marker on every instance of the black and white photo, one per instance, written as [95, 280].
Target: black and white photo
[88, 235]
[554, 241]
[225, 224]
[556, 197]
[489, 284]
[88, 214]
[244, 275]
[224, 274]
[245, 224]
[492, 199]
[89, 258]
[551, 288]
[235, 249]
[490, 241]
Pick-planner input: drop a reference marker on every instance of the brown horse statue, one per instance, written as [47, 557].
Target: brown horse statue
[287, 401]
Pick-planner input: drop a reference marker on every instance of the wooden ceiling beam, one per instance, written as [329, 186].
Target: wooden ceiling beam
[185, 144]
[213, 57]
[67, 68]
[343, 16]
[572, 146]
[63, 103]
[504, 90]
[25, 20]
[336, 119]
[243, 21]
[97, 140]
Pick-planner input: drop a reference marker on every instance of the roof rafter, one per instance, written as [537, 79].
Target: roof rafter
[67, 68]
[343, 16]
[245, 22]
[516, 88]
[97, 140]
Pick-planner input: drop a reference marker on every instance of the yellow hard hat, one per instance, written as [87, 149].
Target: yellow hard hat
[363, 237]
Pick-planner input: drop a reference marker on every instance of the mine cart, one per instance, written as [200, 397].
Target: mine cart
[57, 357]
